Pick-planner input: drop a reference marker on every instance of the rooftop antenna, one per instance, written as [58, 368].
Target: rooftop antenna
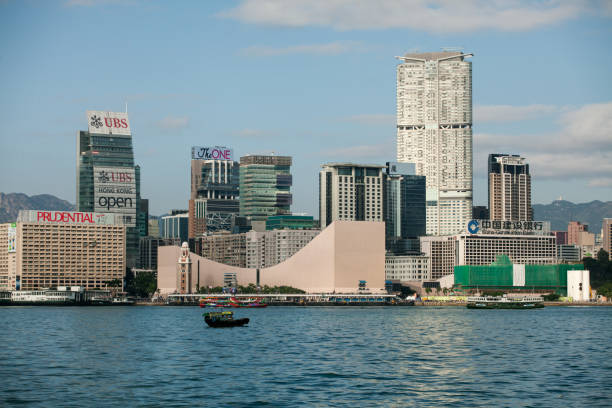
[125, 106]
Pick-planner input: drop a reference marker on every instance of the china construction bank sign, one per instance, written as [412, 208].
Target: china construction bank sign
[108, 123]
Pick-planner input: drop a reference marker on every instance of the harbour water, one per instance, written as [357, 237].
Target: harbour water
[296, 356]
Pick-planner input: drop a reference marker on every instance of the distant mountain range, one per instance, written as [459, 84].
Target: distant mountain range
[11, 203]
[561, 212]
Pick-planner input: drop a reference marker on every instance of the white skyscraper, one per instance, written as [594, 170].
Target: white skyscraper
[434, 131]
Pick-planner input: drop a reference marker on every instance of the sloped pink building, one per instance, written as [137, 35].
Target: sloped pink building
[341, 256]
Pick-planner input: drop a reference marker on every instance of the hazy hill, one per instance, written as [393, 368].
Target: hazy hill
[561, 212]
[11, 203]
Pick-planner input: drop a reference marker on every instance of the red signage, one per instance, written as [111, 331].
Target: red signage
[68, 217]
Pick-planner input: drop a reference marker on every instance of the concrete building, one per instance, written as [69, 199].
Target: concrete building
[153, 228]
[265, 186]
[350, 192]
[446, 252]
[346, 257]
[175, 225]
[403, 208]
[607, 236]
[107, 181]
[407, 268]
[214, 189]
[62, 248]
[561, 237]
[574, 228]
[269, 248]
[569, 253]
[224, 247]
[434, 131]
[509, 188]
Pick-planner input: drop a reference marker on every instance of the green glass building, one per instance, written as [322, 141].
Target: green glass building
[265, 186]
[505, 276]
[107, 181]
[275, 222]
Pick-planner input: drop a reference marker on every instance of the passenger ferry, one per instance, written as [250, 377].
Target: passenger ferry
[504, 302]
[44, 296]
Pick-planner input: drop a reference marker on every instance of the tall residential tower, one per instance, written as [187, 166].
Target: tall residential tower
[434, 131]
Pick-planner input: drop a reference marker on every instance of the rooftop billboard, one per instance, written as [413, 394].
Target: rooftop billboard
[108, 123]
[211, 153]
[67, 217]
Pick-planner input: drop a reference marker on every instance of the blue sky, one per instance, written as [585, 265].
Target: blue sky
[311, 79]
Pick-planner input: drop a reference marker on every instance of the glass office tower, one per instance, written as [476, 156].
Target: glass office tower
[265, 186]
[404, 209]
[107, 179]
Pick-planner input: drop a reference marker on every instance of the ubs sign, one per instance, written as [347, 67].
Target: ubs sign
[115, 192]
[107, 123]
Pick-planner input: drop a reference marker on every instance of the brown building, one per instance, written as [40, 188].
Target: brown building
[509, 188]
[607, 236]
[61, 248]
[574, 228]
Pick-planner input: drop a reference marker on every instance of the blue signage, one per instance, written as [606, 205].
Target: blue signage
[473, 227]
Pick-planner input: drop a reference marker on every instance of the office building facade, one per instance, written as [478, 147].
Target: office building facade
[175, 225]
[407, 268]
[214, 189]
[265, 186]
[509, 188]
[404, 209]
[63, 248]
[350, 192]
[434, 131]
[107, 181]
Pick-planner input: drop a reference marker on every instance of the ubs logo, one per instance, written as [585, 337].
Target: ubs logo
[96, 122]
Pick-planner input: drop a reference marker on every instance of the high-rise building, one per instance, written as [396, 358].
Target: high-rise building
[269, 248]
[480, 212]
[404, 208]
[214, 189]
[265, 186]
[175, 225]
[607, 236]
[434, 131]
[509, 188]
[350, 192]
[107, 181]
[574, 228]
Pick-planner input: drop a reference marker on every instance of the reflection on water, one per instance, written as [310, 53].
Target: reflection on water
[290, 356]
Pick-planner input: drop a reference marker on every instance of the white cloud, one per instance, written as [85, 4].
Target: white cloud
[372, 119]
[582, 148]
[173, 122]
[447, 16]
[508, 113]
[333, 48]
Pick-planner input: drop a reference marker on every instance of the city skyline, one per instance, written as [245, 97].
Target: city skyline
[320, 88]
